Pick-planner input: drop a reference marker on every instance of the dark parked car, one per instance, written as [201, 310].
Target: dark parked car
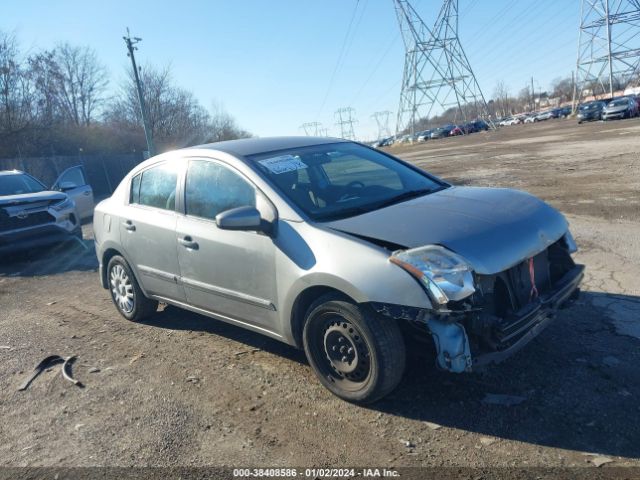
[619, 108]
[385, 142]
[480, 125]
[590, 111]
[564, 112]
[442, 132]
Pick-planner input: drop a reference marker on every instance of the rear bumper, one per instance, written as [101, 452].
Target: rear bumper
[536, 316]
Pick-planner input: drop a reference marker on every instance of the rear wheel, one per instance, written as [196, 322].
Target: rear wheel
[126, 293]
[356, 354]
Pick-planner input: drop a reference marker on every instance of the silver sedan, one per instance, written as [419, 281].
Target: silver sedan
[339, 249]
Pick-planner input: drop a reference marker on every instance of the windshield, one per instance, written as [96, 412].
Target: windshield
[619, 103]
[19, 184]
[340, 180]
[590, 106]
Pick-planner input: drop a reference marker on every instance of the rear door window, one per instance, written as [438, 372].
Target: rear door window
[157, 187]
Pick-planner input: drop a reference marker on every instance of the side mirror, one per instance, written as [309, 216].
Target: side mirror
[241, 218]
[66, 186]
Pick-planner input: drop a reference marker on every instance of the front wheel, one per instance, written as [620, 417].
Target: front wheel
[126, 293]
[356, 354]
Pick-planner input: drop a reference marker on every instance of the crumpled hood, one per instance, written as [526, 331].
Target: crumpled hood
[27, 198]
[493, 228]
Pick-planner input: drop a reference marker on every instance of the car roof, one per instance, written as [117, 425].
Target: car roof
[251, 146]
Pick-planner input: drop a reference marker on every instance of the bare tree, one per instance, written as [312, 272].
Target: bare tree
[562, 89]
[80, 82]
[15, 90]
[176, 118]
[223, 126]
[502, 99]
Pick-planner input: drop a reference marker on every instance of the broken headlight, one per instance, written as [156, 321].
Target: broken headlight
[444, 274]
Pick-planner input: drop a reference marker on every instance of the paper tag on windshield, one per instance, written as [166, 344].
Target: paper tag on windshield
[282, 164]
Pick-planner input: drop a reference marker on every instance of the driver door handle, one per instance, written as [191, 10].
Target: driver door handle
[188, 242]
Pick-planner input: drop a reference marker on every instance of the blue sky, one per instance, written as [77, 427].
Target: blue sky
[277, 64]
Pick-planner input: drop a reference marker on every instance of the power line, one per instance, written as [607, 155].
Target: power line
[339, 61]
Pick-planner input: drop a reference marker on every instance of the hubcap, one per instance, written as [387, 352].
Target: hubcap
[122, 289]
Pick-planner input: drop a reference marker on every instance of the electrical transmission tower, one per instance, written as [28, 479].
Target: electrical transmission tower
[608, 47]
[345, 121]
[311, 128]
[382, 120]
[437, 74]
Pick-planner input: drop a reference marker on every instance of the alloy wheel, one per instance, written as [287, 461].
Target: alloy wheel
[122, 289]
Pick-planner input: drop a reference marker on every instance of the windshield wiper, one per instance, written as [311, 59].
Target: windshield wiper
[347, 212]
[353, 211]
[405, 196]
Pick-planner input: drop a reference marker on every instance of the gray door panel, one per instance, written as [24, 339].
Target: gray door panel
[148, 237]
[228, 272]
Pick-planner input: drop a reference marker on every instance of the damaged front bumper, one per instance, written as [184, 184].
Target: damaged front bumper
[530, 320]
[456, 336]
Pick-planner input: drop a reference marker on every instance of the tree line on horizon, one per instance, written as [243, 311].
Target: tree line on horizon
[60, 101]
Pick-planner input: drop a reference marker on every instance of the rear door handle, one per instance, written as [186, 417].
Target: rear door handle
[128, 225]
[188, 242]
[86, 193]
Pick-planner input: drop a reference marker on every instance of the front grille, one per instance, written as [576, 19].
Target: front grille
[519, 279]
[8, 223]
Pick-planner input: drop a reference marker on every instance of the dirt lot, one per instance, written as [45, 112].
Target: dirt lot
[185, 390]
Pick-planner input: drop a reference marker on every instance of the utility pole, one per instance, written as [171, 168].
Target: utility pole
[608, 47]
[382, 120]
[437, 74]
[131, 42]
[533, 96]
[345, 121]
[311, 128]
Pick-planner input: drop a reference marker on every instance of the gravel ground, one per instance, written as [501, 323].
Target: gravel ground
[181, 389]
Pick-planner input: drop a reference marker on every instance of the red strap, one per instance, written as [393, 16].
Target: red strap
[532, 277]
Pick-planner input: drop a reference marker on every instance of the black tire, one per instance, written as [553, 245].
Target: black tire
[141, 306]
[372, 346]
